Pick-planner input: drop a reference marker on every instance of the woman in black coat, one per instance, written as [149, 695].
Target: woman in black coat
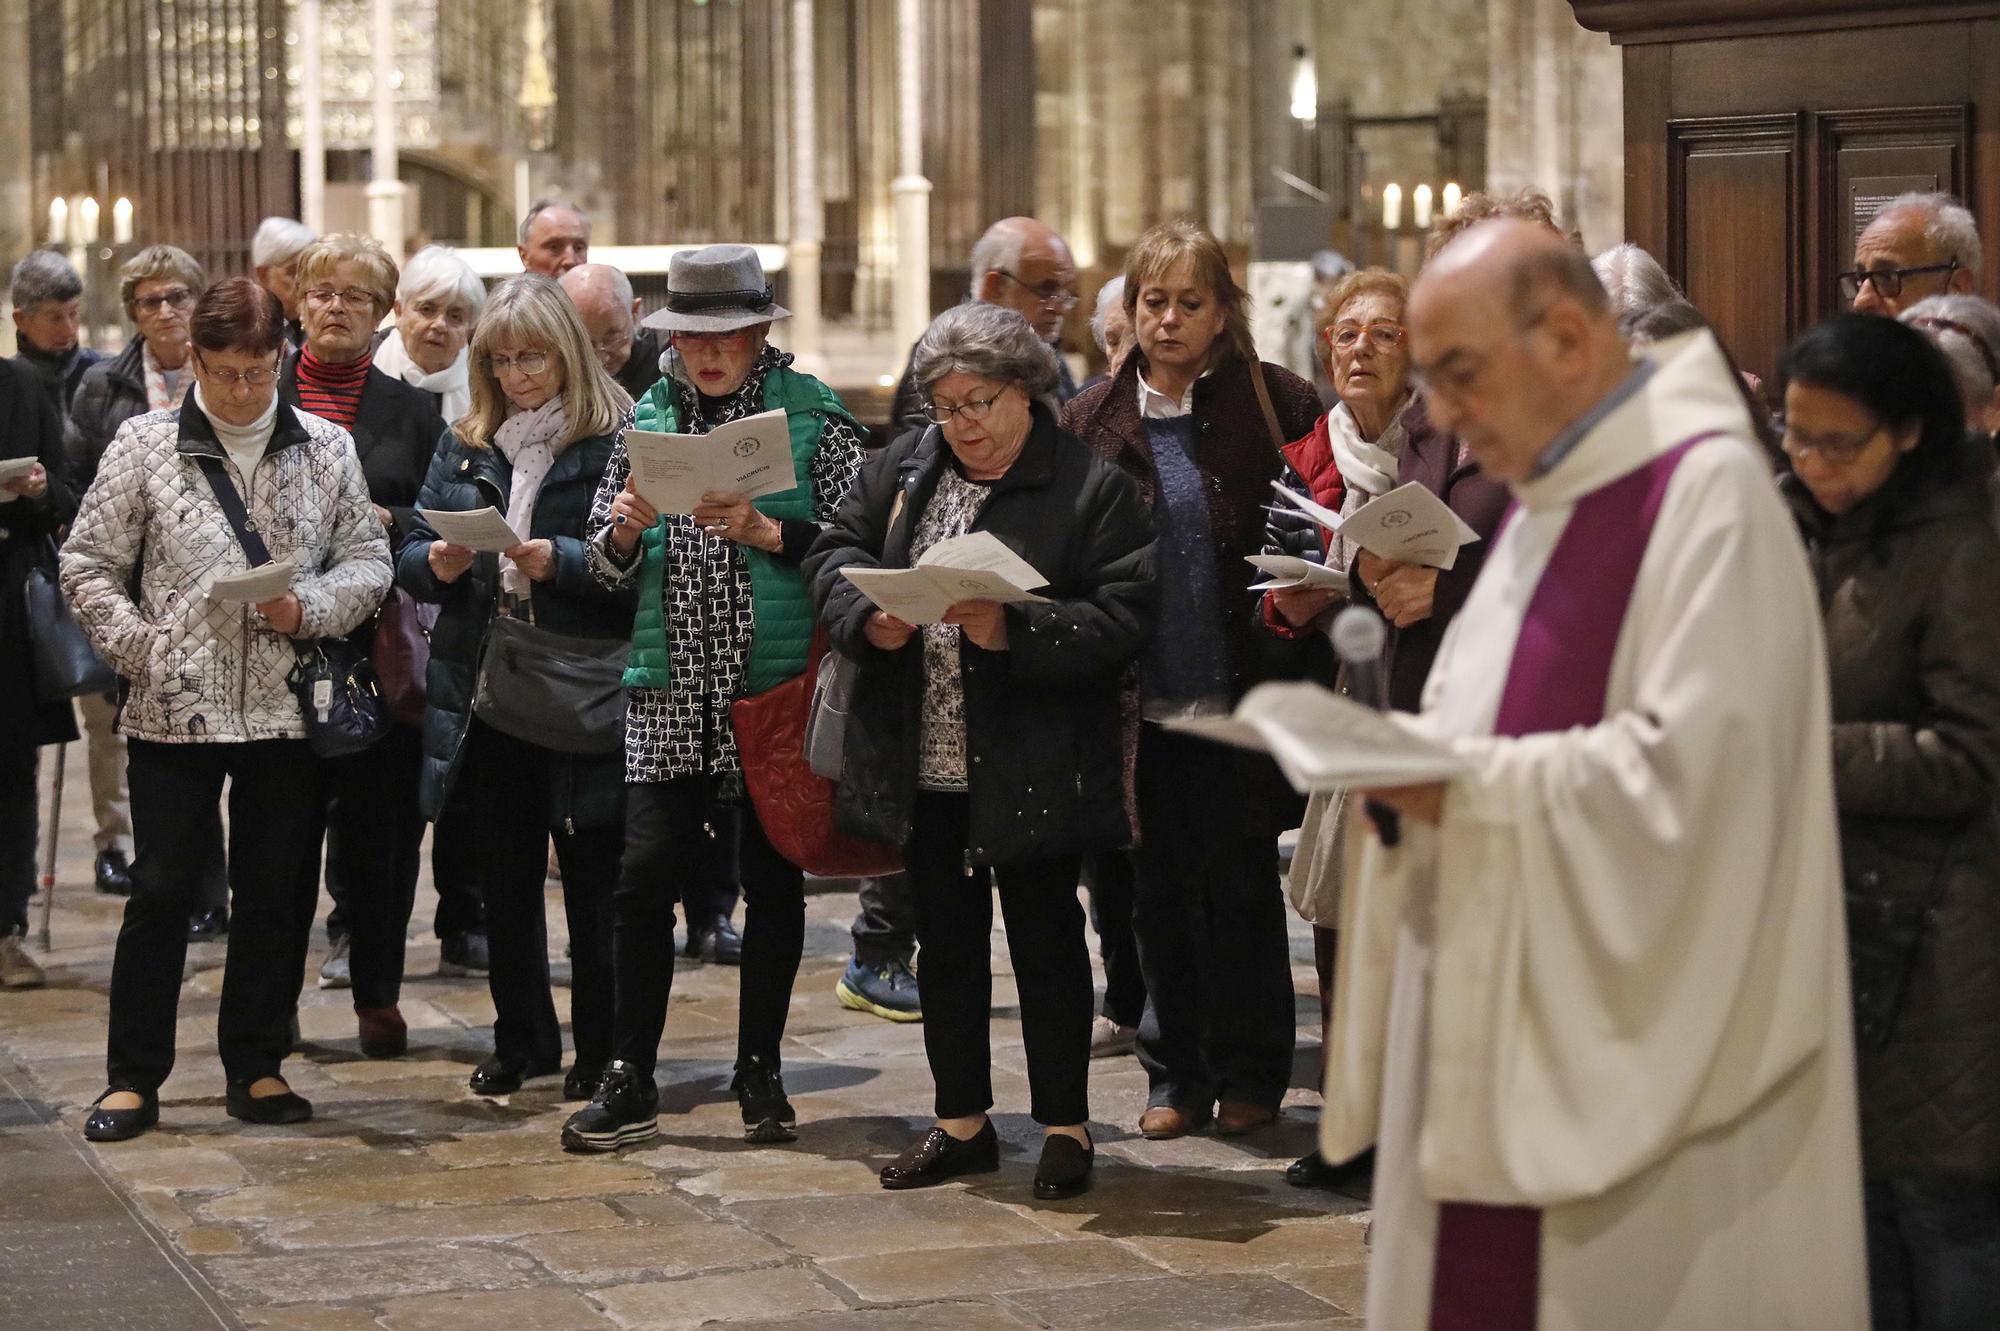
[543, 421]
[33, 508]
[1890, 495]
[987, 744]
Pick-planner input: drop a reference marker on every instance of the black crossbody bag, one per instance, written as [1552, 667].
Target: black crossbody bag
[333, 679]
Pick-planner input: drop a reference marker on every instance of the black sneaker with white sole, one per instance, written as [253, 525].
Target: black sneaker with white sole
[626, 1109]
[760, 1093]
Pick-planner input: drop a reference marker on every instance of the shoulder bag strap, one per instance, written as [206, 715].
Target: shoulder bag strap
[232, 508]
[1278, 439]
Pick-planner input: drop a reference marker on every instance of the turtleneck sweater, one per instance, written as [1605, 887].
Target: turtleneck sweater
[245, 444]
[332, 392]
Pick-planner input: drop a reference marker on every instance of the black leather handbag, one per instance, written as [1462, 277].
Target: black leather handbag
[560, 692]
[65, 664]
[334, 681]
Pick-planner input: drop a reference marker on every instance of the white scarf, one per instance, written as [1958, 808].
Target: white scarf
[245, 444]
[452, 384]
[158, 396]
[530, 441]
[1366, 469]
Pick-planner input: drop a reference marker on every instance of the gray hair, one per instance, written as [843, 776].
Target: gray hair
[1949, 228]
[1967, 330]
[42, 276]
[1634, 281]
[987, 342]
[435, 272]
[279, 240]
[999, 250]
[540, 206]
[1111, 294]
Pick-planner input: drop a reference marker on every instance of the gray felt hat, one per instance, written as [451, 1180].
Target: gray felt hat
[716, 289]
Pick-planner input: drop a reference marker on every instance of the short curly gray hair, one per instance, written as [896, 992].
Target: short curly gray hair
[987, 342]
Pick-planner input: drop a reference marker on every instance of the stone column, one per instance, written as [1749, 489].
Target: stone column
[385, 189]
[312, 120]
[807, 224]
[911, 188]
[20, 227]
[1556, 117]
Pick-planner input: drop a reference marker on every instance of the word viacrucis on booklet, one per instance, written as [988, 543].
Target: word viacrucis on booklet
[1409, 525]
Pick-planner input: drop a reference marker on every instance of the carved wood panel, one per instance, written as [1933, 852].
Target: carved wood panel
[1736, 225]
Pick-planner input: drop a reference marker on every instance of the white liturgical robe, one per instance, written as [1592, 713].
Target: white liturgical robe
[1612, 983]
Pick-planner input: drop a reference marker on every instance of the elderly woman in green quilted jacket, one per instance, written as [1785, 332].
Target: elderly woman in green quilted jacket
[723, 613]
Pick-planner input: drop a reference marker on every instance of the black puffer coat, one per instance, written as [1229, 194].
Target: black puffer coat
[1042, 741]
[111, 392]
[586, 791]
[1913, 639]
[29, 427]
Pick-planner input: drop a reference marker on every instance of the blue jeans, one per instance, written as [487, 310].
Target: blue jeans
[1933, 1254]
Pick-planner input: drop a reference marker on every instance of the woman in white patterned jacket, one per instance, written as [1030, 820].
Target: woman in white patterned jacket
[209, 696]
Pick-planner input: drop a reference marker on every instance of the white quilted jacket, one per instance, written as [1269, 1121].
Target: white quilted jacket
[202, 669]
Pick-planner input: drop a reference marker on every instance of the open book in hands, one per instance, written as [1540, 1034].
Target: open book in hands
[751, 457]
[1324, 742]
[1409, 525]
[972, 567]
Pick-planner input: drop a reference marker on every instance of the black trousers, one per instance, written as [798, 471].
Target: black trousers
[366, 814]
[1109, 875]
[666, 828]
[1210, 919]
[713, 889]
[19, 812]
[1933, 1253]
[454, 872]
[175, 788]
[886, 928]
[510, 797]
[1045, 939]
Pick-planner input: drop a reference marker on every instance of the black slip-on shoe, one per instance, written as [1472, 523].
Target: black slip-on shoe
[117, 1125]
[1065, 1167]
[287, 1106]
[938, 1156]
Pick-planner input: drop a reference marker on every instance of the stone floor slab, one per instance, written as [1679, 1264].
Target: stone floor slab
[510, 1310]
[680, 1305]
[365, 1273]
[1215, 1303]
[443, 1224]
[650, 1252]
[869, 1224]
[962, 1272]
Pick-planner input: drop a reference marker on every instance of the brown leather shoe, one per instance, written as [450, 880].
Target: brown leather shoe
[1165, 1122]
[1234, 1118]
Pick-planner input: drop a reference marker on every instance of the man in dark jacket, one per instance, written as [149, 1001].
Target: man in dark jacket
[48, 309]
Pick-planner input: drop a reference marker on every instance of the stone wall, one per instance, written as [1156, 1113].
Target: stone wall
[1555, 115]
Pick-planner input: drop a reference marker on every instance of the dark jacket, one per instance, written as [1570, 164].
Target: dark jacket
[110, 393]
[1043, 750]
[1913, 642]
[60, 376]
[395, 431]
[642, 368]
[1434, 460]
[906, 411]
[29, 427]
[586, 791]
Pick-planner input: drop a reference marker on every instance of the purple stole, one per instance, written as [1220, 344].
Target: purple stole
[1489, 1258]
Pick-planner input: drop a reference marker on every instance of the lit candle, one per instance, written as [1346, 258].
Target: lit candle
[86, 216]
[58, 219]
[1420, 207]
[1453, 196]
[121, 221]
[1392, 206]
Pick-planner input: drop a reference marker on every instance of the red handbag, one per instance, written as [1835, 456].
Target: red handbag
[794, 804]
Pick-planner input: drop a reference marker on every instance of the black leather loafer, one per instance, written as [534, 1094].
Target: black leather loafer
[1352, 1178]
[503, 1076]
[938, 1156]
[117, 1125]
[287, 1106]
[1065, 1167]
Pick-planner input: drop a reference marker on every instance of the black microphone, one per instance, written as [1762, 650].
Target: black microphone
[1359, 637]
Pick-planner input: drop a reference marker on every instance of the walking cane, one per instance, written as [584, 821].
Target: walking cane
[53, 834]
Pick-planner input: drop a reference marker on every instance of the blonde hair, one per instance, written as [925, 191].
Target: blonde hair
[155, 262]
[529, 310]
[1360, 282]
[318, 260]
[1154, 254]
[1527, 204]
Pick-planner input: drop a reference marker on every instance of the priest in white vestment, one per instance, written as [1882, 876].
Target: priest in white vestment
[1593, 1008]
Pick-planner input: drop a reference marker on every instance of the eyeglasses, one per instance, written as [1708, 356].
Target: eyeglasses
[1052, 295]
[972, 409]
[735, 341]
[1836, 449]
[1381, 336]
[1888, 282]
[179, 298]
[261, 377]
[530, 363]
[354, 298]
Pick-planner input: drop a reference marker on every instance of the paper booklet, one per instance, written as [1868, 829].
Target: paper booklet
[1291, 571]
[1410, 525]
[16, 469]
[1325, 742]
[482, 529]
[972, 567]
[266, 582]
[751, 457]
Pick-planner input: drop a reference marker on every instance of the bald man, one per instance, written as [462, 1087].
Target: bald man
[1919, 245]
[1026, 266]
[604, 301]
[1593, 1007]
